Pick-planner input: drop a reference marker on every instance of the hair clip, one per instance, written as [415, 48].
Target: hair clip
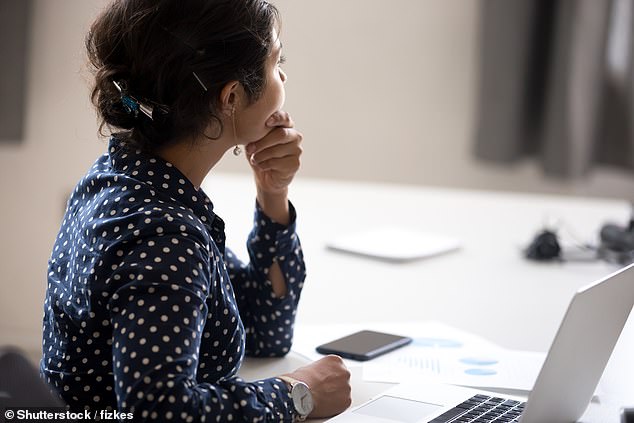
[199, 81]
[131, 104]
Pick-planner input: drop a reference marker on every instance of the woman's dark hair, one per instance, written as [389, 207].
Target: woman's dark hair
[176, 55]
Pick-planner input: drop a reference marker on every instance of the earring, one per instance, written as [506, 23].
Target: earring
[236, 150]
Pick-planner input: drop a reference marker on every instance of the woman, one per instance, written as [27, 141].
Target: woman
[147, 312]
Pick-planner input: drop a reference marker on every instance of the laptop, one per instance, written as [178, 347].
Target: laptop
[562, 391]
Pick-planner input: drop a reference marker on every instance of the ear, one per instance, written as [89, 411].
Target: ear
[229, 96]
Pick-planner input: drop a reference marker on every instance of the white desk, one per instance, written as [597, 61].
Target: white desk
[486, 288]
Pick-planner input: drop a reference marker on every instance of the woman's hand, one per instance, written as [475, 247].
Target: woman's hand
[275, 157]
[329, 382]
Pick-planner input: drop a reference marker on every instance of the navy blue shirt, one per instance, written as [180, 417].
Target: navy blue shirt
[148, 312]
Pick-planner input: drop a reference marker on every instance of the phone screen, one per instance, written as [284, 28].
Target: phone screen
[364, 345]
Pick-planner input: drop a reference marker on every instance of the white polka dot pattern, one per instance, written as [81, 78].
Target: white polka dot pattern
[147, 311]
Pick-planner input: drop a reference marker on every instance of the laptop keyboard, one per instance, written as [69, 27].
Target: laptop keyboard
[483, 409]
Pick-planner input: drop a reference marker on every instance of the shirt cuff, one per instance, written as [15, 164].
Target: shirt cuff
[273, 238]
[279, 397]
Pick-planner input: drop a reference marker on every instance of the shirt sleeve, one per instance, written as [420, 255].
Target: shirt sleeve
[268, 320]
[157, 315]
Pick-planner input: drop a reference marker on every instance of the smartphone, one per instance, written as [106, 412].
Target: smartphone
[364, 345]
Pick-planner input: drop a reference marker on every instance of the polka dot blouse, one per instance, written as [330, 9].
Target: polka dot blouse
[148, 312]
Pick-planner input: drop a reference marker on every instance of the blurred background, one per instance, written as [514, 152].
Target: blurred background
[511, 95]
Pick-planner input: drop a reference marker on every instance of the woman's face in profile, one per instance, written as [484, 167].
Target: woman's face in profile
[251, 120]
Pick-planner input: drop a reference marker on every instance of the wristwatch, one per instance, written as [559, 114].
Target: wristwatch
[301, 396]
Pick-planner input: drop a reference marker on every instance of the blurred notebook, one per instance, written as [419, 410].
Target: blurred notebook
[394, 244]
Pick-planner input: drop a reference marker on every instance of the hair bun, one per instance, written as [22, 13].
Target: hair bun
[175, 56]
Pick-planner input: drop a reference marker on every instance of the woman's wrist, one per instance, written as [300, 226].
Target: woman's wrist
[275, 205]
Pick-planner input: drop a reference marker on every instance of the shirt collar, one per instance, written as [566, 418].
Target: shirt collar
[164, 177]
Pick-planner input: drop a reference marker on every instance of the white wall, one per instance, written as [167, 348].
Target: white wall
[381, 90]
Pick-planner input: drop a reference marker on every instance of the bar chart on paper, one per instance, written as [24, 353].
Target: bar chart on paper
[461, 359]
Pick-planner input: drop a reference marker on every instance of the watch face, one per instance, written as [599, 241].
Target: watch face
[302, 398]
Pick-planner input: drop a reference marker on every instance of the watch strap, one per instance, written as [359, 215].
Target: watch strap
[289, 380]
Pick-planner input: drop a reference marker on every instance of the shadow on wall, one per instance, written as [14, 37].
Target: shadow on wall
[15, 18]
